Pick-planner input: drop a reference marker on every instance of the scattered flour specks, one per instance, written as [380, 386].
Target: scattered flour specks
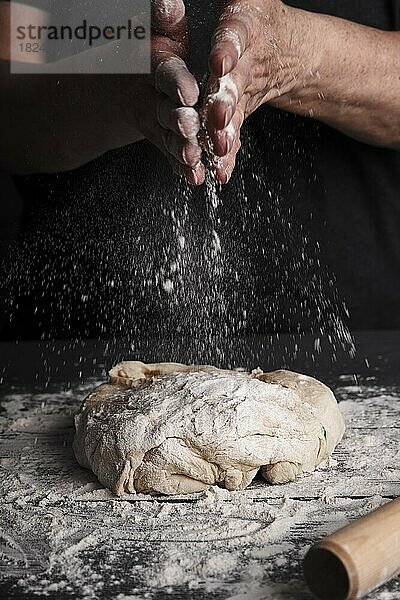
[63, 535]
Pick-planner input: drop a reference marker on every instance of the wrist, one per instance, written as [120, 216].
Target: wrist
[299, 61]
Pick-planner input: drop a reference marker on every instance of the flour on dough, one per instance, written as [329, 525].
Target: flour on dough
[176, 429]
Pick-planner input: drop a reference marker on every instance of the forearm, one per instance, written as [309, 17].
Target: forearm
[52, 122]
[346, 75]
[56, 123]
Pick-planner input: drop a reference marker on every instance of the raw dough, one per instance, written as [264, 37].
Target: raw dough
[175, 429]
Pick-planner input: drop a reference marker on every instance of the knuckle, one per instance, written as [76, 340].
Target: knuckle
[191, 153]
[187, 121]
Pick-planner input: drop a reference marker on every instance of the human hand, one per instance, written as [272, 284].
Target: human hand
[164, 107]
[251, 62]
[58, 122]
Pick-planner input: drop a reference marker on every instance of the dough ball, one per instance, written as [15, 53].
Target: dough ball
[169, 428]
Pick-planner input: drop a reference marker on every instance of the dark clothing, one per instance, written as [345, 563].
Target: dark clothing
[382, 14]
[310, 220]
[356, 205]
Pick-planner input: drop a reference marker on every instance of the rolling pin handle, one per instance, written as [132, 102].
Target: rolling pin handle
[358, 558]
[325, 574]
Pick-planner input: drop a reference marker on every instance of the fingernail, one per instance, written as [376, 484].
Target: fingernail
[198, 173]
[228, 116]
[180, 97]
[225, 142]
[227, 64]
[224, 139]
[196, 176]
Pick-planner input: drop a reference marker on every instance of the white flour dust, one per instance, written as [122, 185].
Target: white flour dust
[206, 265]
[128, 251]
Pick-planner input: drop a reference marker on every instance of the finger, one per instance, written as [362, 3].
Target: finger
[223, 167]
[198, 174]
[230, 40]
[182, 120]
[187, 152]
[173, 78]
[195, 176]
[177, 150]
[166, 13]
[223, 140]
[221, 101]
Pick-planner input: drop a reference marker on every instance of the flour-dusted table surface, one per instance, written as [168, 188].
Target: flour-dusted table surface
[63, 536]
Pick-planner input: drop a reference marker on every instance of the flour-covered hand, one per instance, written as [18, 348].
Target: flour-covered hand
[91, 115]
[251, 62]
[168, 118]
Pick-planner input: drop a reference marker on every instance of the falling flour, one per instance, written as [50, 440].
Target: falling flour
[204, 266]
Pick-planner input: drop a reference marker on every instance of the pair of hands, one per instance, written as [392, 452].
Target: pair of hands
[262, 51]
[248, 64]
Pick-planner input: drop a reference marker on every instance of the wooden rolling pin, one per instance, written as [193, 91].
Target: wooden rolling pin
[357, 558]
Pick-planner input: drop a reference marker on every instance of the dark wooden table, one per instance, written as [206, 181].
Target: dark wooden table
[62, 535]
